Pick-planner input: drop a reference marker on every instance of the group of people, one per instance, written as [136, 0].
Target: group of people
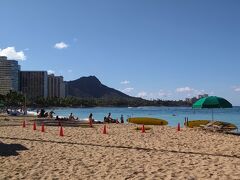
[71, 117]
[42, 113]
[109, 119]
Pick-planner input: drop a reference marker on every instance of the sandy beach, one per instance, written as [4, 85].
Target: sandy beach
[122, 153]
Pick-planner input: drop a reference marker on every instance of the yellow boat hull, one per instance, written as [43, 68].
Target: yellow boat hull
[224, 125]
[147, 121]
[197, 123]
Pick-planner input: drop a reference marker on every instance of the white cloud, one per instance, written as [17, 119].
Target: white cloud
[190, 92]
[211, 93]
[198, 92]
[164, 94]
[50, 71]
[11, 53]
[69, 71]
[237, 89]
[184, 89]
[61, 45]
[128, 90]
[125, 82]
[161, 94]
[142, 94]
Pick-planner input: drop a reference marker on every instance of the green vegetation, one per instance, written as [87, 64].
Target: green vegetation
[94, 102]
[14, 99]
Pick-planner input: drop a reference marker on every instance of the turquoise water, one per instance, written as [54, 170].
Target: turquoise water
[173, 115]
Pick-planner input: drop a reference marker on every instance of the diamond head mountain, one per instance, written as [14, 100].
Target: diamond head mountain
[91, 87]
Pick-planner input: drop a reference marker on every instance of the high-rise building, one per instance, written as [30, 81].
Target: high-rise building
[9, 75]
[56, 86]
[66, 88]
[51, 87]
[34, 84]
[62, 88]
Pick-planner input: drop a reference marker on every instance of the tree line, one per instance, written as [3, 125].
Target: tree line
[15, 99]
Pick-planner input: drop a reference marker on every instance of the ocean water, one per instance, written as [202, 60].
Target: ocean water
[173, 115]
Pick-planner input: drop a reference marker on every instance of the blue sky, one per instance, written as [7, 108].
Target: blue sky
[151, 48]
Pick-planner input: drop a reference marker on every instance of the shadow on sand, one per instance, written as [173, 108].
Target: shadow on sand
[11, 149]
[128, 147]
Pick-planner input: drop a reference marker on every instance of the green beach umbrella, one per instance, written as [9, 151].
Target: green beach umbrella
[212, 102]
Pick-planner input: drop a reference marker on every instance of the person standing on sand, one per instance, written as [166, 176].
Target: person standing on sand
[90, 118]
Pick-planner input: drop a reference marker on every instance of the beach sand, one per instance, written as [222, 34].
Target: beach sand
[122, 153]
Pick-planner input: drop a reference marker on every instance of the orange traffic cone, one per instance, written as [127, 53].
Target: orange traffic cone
[43, 129]
[24, 124]
[61, 131]
[34, 126]
[178, 127]
[104, 129]
[143, 129]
